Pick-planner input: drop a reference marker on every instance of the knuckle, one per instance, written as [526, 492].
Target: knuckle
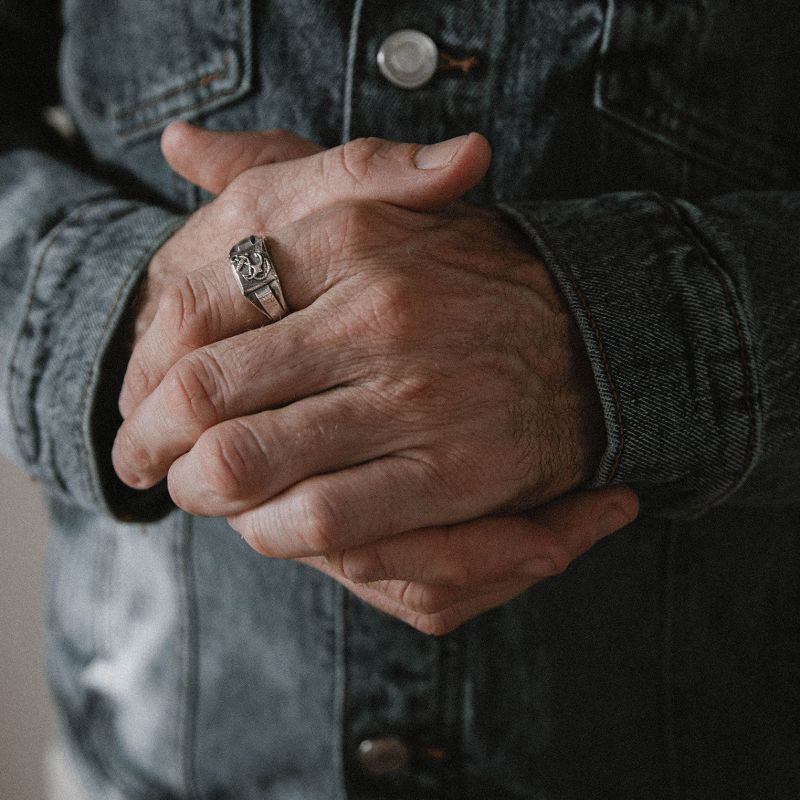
[238, 200]
[194, 388]
[340, 231]
[227, 459]
[364, 565]
[132, 456]
[355, 158]
[138, 378]
[321, 528]
[357, 231]
[389, 305]
[185, 310]
[414, 396]
[558, 558]
[353, 221]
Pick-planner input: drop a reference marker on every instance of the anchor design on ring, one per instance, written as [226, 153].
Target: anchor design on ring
[250, 266]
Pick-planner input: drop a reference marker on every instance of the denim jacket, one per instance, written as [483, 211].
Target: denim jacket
[651, 153]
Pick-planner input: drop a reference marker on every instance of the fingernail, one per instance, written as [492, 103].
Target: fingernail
[612, 519]
[436, 156]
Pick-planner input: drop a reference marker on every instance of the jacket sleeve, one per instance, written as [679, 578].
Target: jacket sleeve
[73, 247]
[690, 314]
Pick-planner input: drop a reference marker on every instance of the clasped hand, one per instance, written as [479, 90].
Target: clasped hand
[416, 427]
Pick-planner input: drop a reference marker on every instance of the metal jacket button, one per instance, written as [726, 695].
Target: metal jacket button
[408, 58]
[383, 756]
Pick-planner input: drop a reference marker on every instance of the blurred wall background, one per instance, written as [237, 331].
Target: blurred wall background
[26, 721]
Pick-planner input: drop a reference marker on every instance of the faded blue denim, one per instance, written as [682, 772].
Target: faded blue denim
[665, 663]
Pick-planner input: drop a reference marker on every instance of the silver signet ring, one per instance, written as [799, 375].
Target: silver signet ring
[257, 277]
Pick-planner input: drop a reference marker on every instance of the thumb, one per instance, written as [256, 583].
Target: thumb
[212, 159]
[415, 176]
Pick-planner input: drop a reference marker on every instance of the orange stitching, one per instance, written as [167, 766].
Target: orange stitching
[448, 62]
[126, 132]
[202, 81]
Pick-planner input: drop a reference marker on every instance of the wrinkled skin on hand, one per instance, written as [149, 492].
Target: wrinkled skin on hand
[416, 428]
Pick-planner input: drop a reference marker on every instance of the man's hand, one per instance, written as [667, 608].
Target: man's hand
[430, 375]
[235, 161]
[438, 578]
[214, 159]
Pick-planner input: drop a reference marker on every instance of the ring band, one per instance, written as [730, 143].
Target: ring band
[257, 277]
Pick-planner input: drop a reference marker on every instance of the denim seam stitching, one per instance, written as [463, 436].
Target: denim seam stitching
[182, 649]
[637, 123]
[188, 681]
[73, 217]
[676, 213]
[339, 678]
[451, 716]
[751, 179]
[770, 162]
[349, 81]
[667, 661]
[563, 263]
[207, 78]
[343, 655]
[125, 133]
[84, 411]
[245, 76]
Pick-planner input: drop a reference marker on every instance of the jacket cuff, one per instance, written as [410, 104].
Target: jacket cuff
[667, 328]
[69, 358]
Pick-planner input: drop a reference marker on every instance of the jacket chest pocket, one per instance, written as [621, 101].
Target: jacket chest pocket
[128, 68]
[715, 83]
